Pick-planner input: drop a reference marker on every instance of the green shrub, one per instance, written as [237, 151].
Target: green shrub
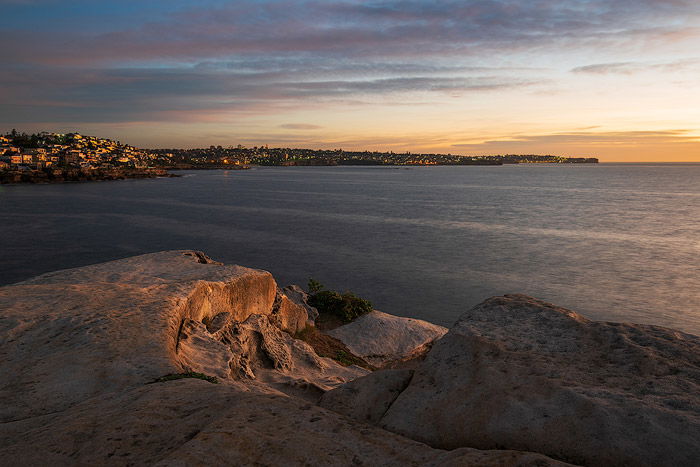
[314, 286]
[346, 306]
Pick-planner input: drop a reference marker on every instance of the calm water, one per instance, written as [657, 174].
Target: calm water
[614, 242]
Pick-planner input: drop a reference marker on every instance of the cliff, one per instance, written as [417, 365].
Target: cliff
[174, 359]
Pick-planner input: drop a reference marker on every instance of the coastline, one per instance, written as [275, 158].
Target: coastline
[129, 350]
[68, 175]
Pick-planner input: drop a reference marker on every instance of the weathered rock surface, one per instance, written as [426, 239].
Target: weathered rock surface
[73, 334]
[518, 372]
[301, 298]
[256, 349]
[192, 422]
[289, 315]
[380, 337]
[81, 350]
[368, 398]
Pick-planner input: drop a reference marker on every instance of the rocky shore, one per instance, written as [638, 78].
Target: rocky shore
[173, 359]
[60, 175]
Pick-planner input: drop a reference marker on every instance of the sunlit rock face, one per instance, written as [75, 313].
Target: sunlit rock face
[88, 357]
[518, 372]
[73, 334]
[290, 313]
[381, 338]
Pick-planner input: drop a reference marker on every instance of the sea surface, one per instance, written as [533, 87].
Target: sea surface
[613, 242]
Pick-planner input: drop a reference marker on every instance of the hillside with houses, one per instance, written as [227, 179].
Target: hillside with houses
[45, 150]
[57, 157]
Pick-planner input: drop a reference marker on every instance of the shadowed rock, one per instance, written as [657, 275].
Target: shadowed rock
[192, 422]
[518, 372]
[368, 398]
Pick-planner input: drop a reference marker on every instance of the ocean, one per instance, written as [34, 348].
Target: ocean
[615, 242]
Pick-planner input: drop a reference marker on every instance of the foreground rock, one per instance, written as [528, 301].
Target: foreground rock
[75, 334]
[113, 364]
[289, 313]
[192, 422]
[380, 338]
[298, 296]
[518, 372]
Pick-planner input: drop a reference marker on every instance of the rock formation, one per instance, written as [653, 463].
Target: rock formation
[380, 338]
[518, 372]
[115, 364]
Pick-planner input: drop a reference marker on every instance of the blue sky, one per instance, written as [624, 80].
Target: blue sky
[577, 77]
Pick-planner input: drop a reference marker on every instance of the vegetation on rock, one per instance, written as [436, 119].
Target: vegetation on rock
[346, 306]
[330, 347]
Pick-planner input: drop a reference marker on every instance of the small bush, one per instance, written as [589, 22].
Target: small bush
[189, 374]
[314, 286]
[346, 306]
[344, 358]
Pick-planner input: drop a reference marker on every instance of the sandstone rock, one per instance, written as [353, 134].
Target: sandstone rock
[518, 372]
[380, 338]
[256, 349]
[192, 422]
[367, 398]
[82, 352]
[69, 335]
[301, 298]
[289, 315]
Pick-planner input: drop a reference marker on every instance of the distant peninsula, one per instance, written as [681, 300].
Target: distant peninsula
[57, 157]
[266, 156]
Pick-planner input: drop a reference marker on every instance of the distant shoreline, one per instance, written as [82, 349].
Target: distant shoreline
[73, 175]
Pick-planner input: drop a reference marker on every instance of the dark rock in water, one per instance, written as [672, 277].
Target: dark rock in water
[74, 174]
[518, 372]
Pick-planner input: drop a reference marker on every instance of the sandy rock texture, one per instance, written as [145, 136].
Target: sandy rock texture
[380, 338]
[192, 422]
[518, 372]
[290, 314]
[73, 334]
[297, 295]
[86, 355]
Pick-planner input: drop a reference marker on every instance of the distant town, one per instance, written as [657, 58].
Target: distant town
[55, 157]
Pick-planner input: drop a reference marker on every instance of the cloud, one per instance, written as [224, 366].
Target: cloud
[637, 67]
[174, 94]
[606, 68]
[300, 126]
[582, 140]
[183, 60]
[350, 30]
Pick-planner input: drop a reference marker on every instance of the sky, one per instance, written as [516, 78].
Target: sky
[614, 79]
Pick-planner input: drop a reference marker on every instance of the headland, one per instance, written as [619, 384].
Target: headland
[172, 358]
[48, 157]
